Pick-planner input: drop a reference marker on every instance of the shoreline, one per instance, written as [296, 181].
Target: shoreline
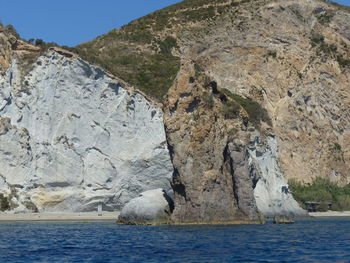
[330, 214]
[72, 217]
[112, 216]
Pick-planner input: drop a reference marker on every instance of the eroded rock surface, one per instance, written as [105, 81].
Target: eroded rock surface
[150, 207]
[271, 191]
[72, 137]
[286, 56]
[211, 179]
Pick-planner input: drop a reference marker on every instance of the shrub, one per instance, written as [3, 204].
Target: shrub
[208, 100]
[342, 203]
[167, 45]
[316, 39]
[271, 53]
[255, 111]
[325, 18]
[343, 62]
[10, 29]
[327, 49]
[322, 46]
[4, 203]
[323, 191]
[230, 109]
[39, 42]
[337, 147]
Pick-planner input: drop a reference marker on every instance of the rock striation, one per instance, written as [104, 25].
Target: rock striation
[211, 179]
[73, 137]
[271, 192]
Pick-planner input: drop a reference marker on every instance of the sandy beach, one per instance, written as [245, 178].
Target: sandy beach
[331, 214]
[88, 216]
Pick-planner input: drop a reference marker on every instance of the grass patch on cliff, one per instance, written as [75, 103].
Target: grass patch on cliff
[141, 52]
[325, 18]
[328, 50]
[343, 62]
[323, 191]
[151, 72]
[255, 111]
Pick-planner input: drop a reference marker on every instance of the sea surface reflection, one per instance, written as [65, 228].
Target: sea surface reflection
[309, 240]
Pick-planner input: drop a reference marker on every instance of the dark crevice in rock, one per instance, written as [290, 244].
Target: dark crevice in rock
[173, 109]
[213, 86]
[115, 87]
[306, 99]
[230, 165]
[86, 67]
[192, 106]
[170, 201]
[153, 113]
[58, 184]
[131, 105]
[11, 78]
[184, 95]
[99, 74]
[254, 176]
[178, 187]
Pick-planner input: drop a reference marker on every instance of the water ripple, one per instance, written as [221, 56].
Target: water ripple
[316, 240]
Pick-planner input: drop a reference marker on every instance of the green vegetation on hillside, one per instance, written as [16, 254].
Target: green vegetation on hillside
[151, 72]
[328, 50]
[255, 111]
[142, 52]
[323, 191]
[10, 29]
[325, 18]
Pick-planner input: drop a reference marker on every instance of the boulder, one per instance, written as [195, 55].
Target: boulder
[150, 207]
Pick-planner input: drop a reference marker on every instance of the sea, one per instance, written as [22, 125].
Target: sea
[307, 240]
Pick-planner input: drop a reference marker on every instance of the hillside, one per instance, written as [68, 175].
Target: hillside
[146, 51]
[286, 64]
[253, 93]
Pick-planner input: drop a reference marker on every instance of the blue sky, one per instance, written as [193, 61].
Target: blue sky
[70, 22]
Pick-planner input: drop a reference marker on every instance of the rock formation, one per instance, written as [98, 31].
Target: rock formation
[211, 177]
[150, 207]
[255, 93]
[72, 137]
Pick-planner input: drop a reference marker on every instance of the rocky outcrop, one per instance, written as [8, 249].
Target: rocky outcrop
[271, 191]
[290, 57]
[225, 169]
[150, 207]
[261, 97]
[72, 138]
[211, 178]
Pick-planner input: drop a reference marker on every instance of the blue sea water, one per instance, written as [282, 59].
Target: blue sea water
[316, 240]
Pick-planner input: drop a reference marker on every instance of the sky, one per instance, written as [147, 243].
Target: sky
[70, 22]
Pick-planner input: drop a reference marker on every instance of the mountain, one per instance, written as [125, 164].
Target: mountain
[253, 93]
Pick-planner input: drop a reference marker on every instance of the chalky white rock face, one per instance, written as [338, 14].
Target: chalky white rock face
[72, 137]
[271, 192]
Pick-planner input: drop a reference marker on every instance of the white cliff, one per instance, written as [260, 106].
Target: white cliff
[271, 191]
[72, 137]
